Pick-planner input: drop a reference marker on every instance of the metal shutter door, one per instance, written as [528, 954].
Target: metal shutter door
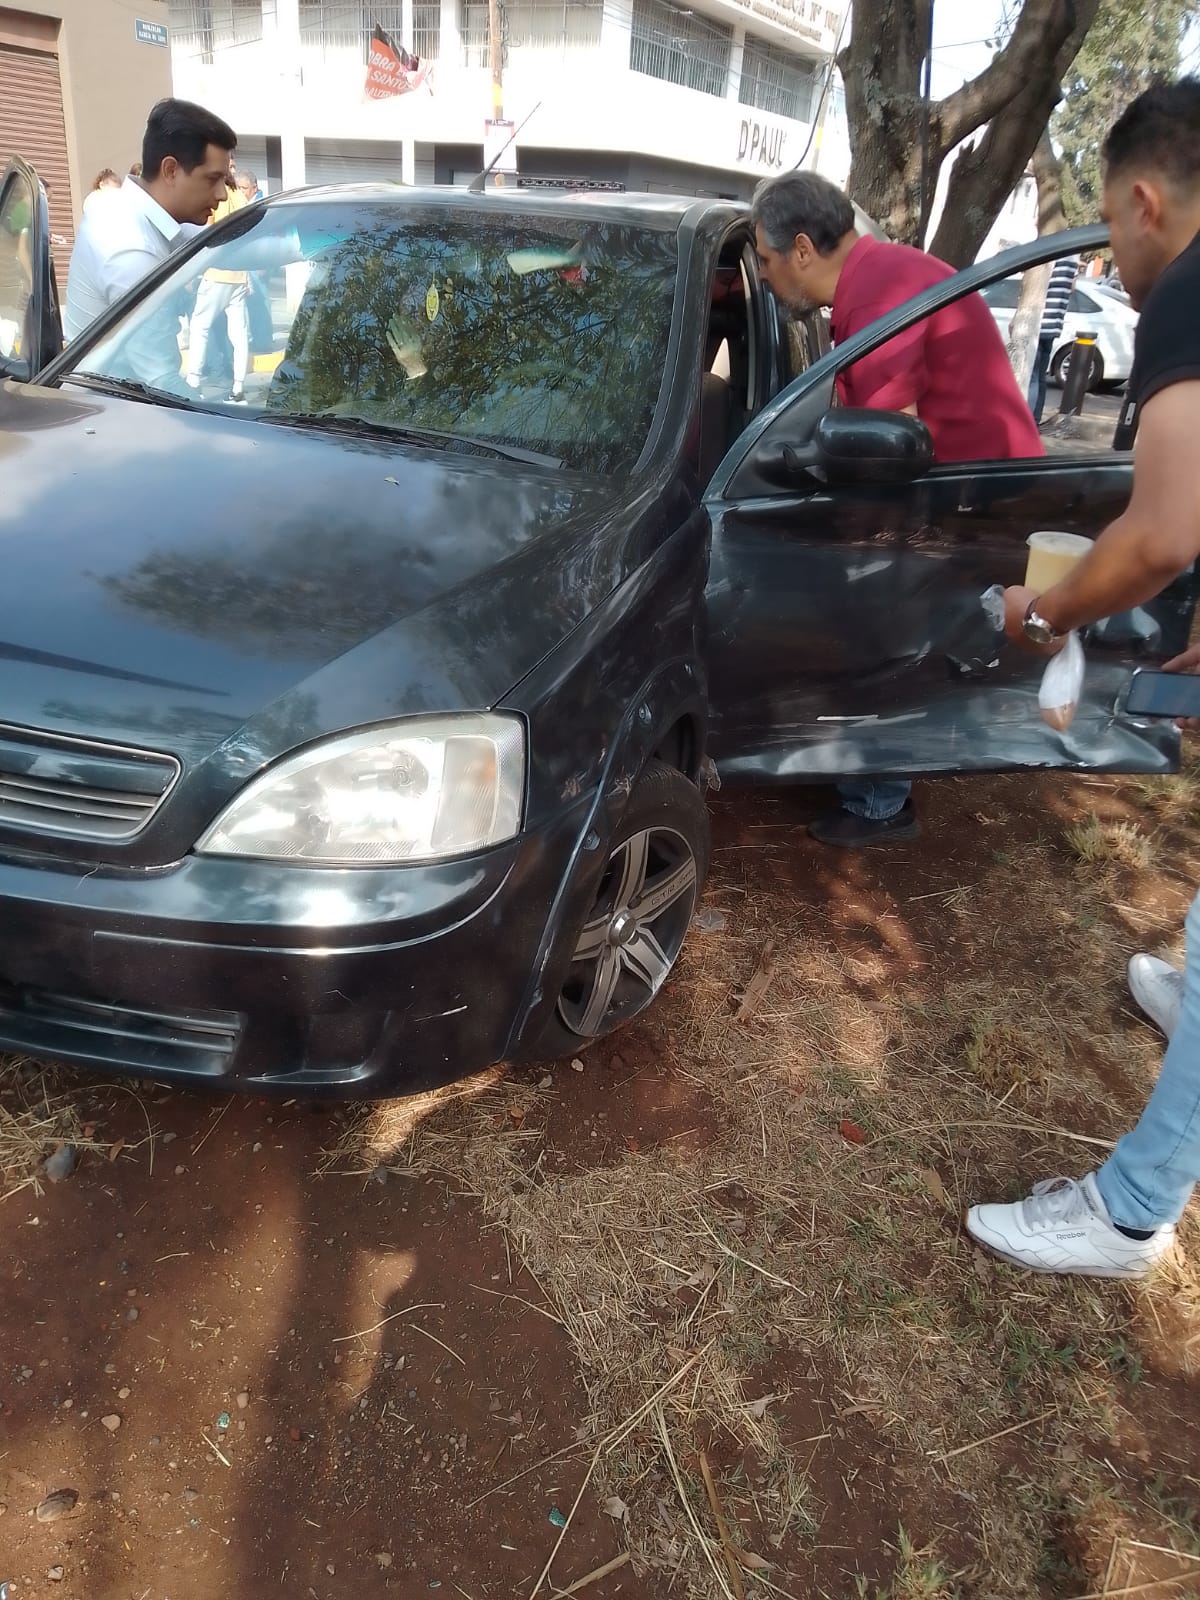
[31, 125]
[351, 161]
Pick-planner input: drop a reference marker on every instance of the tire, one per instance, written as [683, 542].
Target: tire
[623, 959]
[1062, 361]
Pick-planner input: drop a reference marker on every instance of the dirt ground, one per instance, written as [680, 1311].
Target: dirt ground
[269, 1349]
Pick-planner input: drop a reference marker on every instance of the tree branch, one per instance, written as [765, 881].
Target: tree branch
[1040, 31]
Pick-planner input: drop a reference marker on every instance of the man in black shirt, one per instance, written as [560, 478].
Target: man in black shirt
[1119, 1221]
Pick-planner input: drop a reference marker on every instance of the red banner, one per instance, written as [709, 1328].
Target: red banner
[390, 69]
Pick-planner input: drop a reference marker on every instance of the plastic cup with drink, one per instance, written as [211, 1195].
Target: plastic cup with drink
[1052, 556]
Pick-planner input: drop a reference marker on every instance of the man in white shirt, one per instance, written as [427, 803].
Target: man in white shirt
[185, 162]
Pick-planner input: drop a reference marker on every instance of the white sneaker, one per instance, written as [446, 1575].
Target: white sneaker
[1158, 989]
[1065, 1227]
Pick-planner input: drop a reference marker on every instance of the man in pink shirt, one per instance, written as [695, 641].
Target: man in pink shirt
[951, 370]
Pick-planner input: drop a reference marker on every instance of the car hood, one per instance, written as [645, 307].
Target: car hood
[168, 575]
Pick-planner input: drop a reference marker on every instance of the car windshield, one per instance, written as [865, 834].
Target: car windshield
[467, 328]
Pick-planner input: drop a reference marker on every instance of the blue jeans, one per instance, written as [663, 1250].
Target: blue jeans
[1149, 1177]
[1037, 378]
[874, 801]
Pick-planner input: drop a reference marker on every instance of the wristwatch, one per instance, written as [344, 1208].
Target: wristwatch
[1037, 629]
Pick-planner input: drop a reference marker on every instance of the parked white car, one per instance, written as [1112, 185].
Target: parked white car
[1090, 310]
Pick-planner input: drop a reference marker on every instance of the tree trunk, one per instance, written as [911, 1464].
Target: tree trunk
[881, 70]
[985, 172]
[1027, 323]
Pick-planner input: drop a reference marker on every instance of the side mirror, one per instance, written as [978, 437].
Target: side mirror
[16, 368]
[861, 446]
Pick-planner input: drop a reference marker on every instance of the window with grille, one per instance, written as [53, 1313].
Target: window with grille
[680, 47]
[549, 27]
[773, 79]
[344, 27]
[200, 27]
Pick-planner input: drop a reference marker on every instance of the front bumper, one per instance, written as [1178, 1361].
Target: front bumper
[281, 979]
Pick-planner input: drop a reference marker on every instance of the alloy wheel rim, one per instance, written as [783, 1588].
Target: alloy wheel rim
[633, 937]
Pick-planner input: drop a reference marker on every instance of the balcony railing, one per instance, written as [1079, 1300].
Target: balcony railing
[680, 47]
[548, 30]
[204, 27]
[340, 30]
[773, 79]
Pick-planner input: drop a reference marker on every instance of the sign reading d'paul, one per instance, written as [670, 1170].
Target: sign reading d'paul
[760, 144]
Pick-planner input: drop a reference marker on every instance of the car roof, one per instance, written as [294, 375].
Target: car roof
[664, 209]
[623, 206]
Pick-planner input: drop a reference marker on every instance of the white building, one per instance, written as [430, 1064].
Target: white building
[700, 98]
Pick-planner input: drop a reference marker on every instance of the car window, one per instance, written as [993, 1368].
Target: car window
[1080, 304]
[547, 335]
[1088, 434]
[1003, 296]
[16, 264]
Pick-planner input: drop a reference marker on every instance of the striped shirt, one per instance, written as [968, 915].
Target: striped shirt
[1058, 296]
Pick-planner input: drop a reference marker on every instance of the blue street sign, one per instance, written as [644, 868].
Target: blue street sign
[150, 32]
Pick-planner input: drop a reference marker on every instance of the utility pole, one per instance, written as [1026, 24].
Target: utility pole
[496, 52]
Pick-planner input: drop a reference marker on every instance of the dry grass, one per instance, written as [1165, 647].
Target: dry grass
[1121, 843]
[919, 1576]
[792, 1294]
[37, 1115]
[781, 1254]
[1174, 799]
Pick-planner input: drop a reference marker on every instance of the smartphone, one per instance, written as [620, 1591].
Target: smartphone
[1163, 694]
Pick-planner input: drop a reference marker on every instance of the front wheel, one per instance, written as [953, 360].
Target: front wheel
[1060, 369]
[644, 904]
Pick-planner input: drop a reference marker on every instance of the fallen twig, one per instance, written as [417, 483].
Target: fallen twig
[1004, 1127]
[417, 1328]
[1140, 1588]
[687, 1504]
[731, 1560]
[977, 1444]
[562, 1534]
[594, 1576]
[211, 1127]
[425, 1305]
[1159, 1549]
[759, 984]
[216, 1451]
[504, 1294]
[613, 1436]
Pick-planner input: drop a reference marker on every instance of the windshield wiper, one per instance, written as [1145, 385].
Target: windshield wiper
[131, 388]
[435, 438]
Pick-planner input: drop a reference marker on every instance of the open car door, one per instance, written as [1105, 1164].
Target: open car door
[846, 633]
[30, 329]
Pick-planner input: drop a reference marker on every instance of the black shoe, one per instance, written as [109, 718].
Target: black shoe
[236, 397]
[847, 832]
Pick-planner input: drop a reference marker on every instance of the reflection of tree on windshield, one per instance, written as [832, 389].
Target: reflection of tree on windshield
[428, 326]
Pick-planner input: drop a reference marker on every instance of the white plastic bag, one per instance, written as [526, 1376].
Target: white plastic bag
[1062, 685]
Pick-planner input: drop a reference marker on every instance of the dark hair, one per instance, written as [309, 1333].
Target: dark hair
[105, 175]
[801, 202]
[1161, 129]
[183, 130]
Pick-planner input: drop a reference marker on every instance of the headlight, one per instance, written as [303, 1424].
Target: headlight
[418, 791]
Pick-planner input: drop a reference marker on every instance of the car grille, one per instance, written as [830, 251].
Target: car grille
[123, 1037]
[79, 788]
